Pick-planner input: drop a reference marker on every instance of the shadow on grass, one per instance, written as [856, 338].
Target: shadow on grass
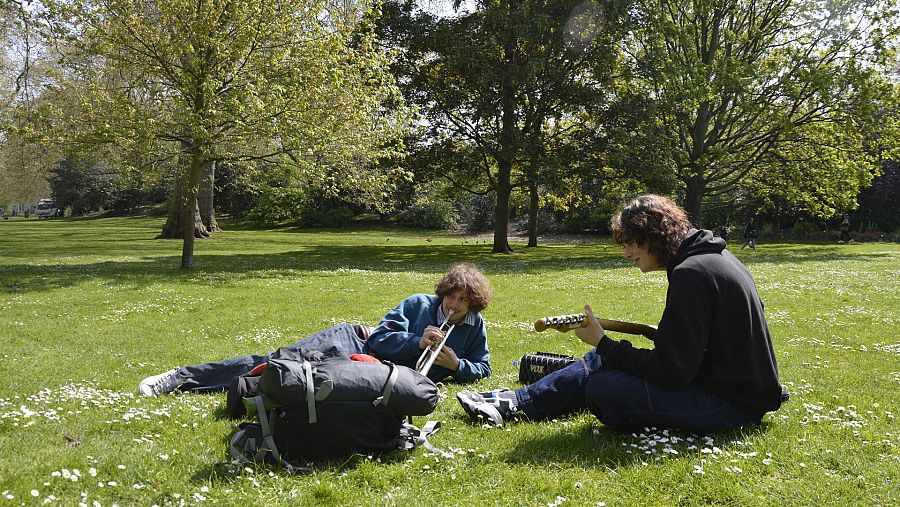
[425, 258]
[231, 470]
[569, 446]
[789, 253]
[146, 271]
[582, 447]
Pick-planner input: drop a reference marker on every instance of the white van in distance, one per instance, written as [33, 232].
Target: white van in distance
[46, 208]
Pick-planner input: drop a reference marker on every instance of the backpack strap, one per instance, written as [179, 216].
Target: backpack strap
[388, 386]
[268, 440]
[411, 437]
[310, 395]
[242, 444]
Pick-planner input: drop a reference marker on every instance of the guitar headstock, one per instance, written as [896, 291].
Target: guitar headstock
[561, 323]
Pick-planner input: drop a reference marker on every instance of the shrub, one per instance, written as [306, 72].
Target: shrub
[429, 214]
[801, 230]
[547, 223]
[593, 219]
[277, 205]
[477, 212]
[331, 216]
[73, 185]
[236, 191]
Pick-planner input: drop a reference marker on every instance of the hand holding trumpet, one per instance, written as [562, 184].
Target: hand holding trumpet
[432, 339]
[434, 350]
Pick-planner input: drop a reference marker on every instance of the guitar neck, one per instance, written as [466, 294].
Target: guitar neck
[620, 326]
[568, 322]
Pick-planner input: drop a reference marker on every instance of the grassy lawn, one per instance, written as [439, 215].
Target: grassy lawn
[89, 307]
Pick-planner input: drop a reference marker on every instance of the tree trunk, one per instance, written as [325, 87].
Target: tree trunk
[205, 197]
[501, 212]
[190, 211]
[533, 215]
[693, 199]
[173, 228]
[507, 138]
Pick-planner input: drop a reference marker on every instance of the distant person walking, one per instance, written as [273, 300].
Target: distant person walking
[749, 235]
[845, 230]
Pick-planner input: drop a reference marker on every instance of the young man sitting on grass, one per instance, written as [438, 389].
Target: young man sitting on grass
[400, 337]
[712, 367]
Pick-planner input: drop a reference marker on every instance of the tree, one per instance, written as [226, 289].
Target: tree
[24, 164]
[218, 80]
[879, 205]
[775, 93]
[75, 184]
[499, 86]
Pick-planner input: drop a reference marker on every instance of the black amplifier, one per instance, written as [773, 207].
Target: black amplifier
[535, 366]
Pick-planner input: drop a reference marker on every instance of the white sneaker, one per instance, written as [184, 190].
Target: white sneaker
[163, 383]
[490, 409]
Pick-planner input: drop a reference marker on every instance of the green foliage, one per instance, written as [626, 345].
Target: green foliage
[24, 167]
[803, 229]
[429, 213]
[547, 223]
[90, 307]
[477, 212]
[745, 94]
[234, 190]
[879, 205]
[503, 90]
[278, 205]
[298, 84]
[86, 185]
[590, 219]
[331, 214]
[71, 187]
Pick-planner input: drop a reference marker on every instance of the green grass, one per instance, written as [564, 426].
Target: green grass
[89, 307]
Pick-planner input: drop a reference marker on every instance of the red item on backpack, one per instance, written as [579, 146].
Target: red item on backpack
[364, 358]
[258, 369]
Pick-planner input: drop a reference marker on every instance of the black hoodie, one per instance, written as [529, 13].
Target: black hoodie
[712, 335]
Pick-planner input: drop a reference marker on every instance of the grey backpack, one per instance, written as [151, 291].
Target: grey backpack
[308, 411]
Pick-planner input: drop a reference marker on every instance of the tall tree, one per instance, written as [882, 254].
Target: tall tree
[497, 86]
[744, 91]
[274, 81]
[24, 164]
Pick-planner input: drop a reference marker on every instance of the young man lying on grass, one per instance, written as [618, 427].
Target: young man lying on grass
[712, 367]
[400, 337]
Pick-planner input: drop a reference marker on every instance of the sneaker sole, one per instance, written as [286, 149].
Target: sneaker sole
[480, 410]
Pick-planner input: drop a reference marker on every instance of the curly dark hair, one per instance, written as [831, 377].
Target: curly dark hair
[466, 276]
[651, 220]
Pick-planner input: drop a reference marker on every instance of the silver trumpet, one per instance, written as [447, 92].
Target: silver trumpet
[423, 365]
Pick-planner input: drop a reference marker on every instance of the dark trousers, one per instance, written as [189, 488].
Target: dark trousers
[341, 340]
[625, 401]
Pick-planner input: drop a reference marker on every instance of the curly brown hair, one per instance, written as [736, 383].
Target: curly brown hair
[653, 222]
[468, 277]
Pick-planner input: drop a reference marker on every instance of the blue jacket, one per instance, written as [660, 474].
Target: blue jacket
[397, 338]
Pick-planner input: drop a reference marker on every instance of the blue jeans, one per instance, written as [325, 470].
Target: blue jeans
[625, 401]
[341, 340]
